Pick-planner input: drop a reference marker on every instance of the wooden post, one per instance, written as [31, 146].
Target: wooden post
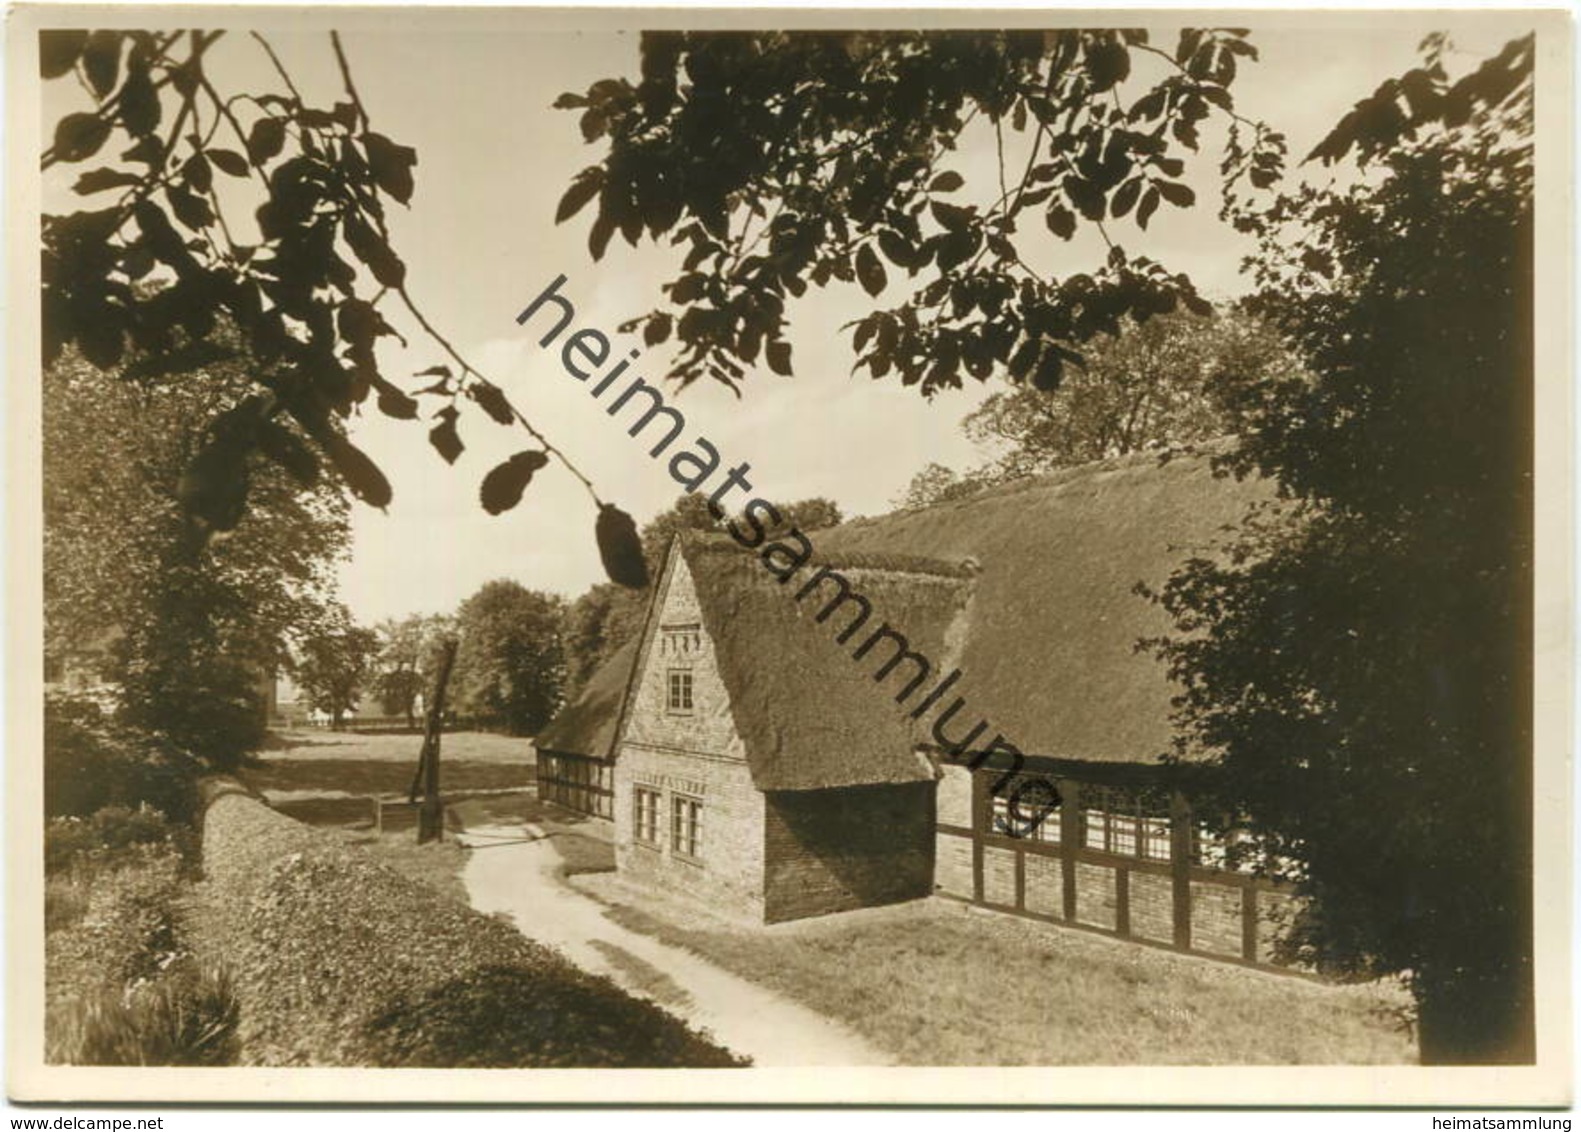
[982, 817]
[378, 816]
[1249, 923]
[1122, 901]
[430, 819]
[1069, 843]
[1180, 866]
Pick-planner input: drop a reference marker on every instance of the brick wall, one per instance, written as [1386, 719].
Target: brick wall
[834, 850]
[1045, 885]
[695, 754]
[680, 643]
[952, 865]
[999, 876]
[728, 870]
[1153, 907]
[1095, 895]
[1215, 918]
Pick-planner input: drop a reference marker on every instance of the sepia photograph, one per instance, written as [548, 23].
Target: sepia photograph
[777, 556]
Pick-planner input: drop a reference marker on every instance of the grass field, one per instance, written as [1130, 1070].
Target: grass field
[938, 984]
[327, 777]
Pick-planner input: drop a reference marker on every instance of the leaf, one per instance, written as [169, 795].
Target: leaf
[1125, 197]
[779, 358]
[196, 172]
[359, 472]
[393, 402]
[1061, 221]
[1149, 205]
[620, 548]
[79, 136]
[598, 238]
[101, 61]
[950, 216]
[434, 371]
[870, 271]
[444, 438]
[895, 246]
[657, 329]
[1050, 371]
[191, 209]
[213, 487]
[584, 188]
[491, 398]
[1107, 64]
[391, 165]
[1177, 194]
[947, 182]
[266, 140]
[140, 109]
[228, 161]
[58, 51]
[374, 251]
[97, 180]
[503, 486]
[288, 450]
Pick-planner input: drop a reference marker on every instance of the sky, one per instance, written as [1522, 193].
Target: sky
[480, 243]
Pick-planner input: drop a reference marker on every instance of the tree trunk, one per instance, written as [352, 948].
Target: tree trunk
[431, 818]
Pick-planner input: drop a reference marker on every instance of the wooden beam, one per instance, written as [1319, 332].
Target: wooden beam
[982, 814]
[1180, 859]
[1249, 923]
[1069, 842]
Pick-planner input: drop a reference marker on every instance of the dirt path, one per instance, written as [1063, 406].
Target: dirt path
[518, 873]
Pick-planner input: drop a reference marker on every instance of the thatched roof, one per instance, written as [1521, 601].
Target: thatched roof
[1049, 657]
[808, 714]
[587, 726]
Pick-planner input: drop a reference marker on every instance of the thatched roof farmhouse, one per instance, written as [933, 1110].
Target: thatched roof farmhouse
[800, 734]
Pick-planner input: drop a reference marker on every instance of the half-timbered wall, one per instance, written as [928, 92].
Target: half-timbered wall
[577, 782]
[1128, 860]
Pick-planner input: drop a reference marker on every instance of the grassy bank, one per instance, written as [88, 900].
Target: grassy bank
[937, 984]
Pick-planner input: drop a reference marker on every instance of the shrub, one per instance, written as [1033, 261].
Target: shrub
[340, 961]
[186, 1016]
[91, 762]
[103, 840]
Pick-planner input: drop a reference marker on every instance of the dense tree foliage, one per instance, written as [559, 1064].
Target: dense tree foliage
[1359, 660]
[510, 669]
[335, 665]
[407, 660]
[258, 210]
[1172, 381]
[186, 633]
[775, 160]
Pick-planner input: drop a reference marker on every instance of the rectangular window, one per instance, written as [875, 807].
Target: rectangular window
[1155, 839]
[686, 826]
[999, 819]
[680, 697]
[646, 823]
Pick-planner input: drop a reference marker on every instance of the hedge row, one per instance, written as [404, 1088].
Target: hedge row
[338, 960]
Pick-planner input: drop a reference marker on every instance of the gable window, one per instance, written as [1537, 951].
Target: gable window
[679, 698]
[645, 826]
[686, 825]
